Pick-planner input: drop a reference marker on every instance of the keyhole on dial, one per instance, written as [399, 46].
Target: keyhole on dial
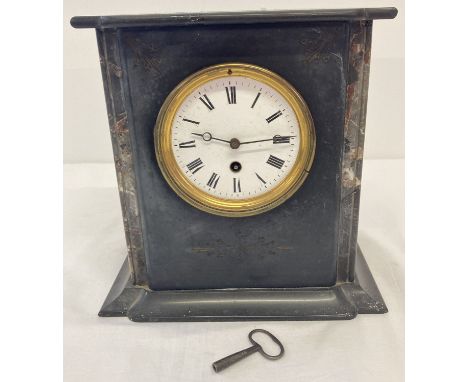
[235, 166]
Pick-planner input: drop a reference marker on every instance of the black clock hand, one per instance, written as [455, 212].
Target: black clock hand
[275, 139]
[208, 137]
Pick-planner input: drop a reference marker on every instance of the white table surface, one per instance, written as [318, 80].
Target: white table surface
[368, 348]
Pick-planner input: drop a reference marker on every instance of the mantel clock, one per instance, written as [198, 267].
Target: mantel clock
[238, 141]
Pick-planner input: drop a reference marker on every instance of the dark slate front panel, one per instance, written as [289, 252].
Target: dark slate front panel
[295, 245]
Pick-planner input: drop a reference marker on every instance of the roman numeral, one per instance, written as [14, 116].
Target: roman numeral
[189, 120]
[255, 100]
[275, 162]
[207, 102]
[260, 178]
[213, 181]
[280, 139]
[186, 145]
[231, 94]
[236, 184]
[196, 165]
[271, 118]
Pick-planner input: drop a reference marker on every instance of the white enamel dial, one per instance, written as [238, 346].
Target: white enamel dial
[235, 138]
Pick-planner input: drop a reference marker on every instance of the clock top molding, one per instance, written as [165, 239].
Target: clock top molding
[247, 17]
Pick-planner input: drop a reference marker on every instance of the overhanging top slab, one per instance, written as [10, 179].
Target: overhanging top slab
[248, 17]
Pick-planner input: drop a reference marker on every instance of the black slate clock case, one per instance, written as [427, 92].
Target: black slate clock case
[297, 261]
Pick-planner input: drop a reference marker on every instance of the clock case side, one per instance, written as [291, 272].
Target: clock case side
[355, 290]
[113, 76]
[357, 84]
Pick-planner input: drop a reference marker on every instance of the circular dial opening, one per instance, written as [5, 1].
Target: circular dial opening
[234, 140]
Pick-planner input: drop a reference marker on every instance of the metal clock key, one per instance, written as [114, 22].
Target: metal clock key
[240, 355]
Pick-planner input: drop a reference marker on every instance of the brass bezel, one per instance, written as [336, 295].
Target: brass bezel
[233, 207]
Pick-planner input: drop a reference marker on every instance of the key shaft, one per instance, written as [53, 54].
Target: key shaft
[230, 360]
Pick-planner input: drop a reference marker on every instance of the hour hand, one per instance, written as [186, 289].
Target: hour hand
[208, 137]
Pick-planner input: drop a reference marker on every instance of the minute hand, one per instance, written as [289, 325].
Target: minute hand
[275, 139]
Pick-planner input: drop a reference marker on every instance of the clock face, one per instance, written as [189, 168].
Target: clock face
[234, 140]
[235, 137]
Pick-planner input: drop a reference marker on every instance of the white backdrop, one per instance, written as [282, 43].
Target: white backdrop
[368, 348]
[86, 135]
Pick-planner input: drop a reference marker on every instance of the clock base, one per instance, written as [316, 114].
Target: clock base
[339, 302]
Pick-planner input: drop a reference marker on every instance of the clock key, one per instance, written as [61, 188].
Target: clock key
[230, 360]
